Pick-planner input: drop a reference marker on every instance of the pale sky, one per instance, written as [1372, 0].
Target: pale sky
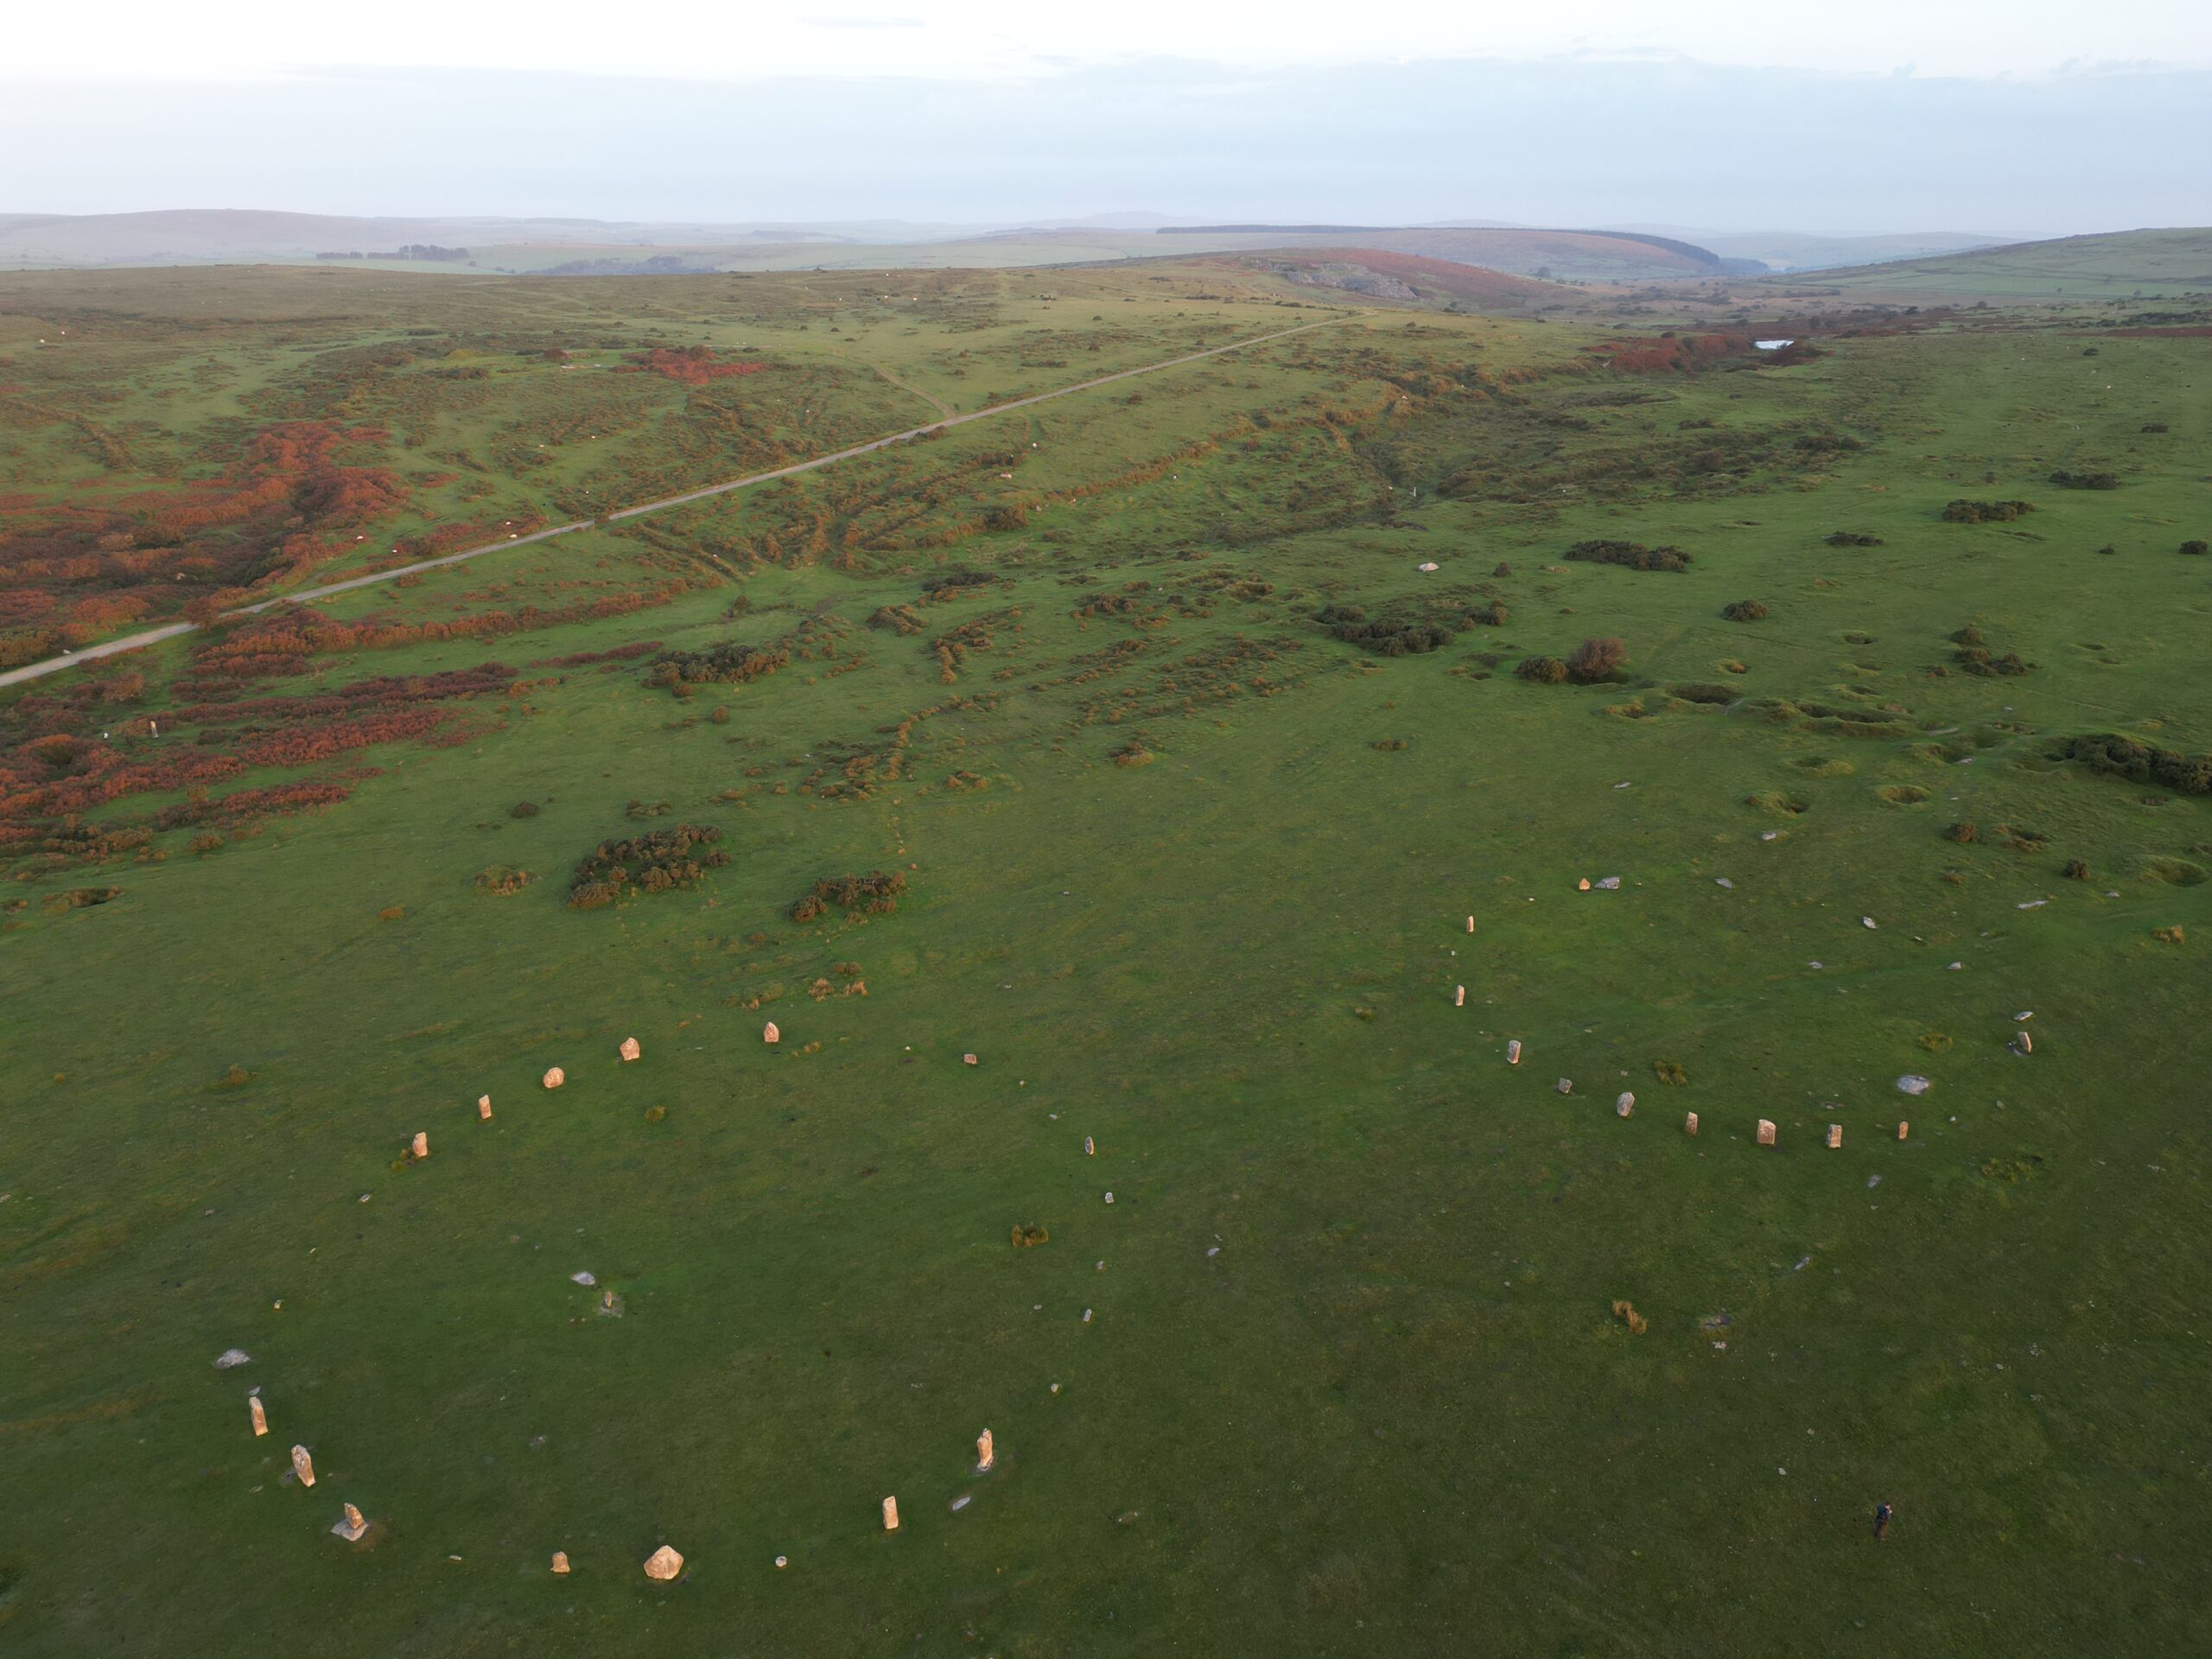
[967, 39]
[2005, 117]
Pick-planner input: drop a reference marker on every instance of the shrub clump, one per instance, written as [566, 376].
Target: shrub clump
[1745, 610]
[1633, 555]
[1027, 1236]
[1595, 659]
[502, 880]
[722, 665]
[2141, 763]
[1399, 631]
[1851, 538]
[899, 619]
[2198, 548]
[1542, 670]
[876, 894]
[523, 810]
[1966, 833]
[1963, 512]
[2067, 480]
[2077, 869]
[1668, 1071]
[658, 862]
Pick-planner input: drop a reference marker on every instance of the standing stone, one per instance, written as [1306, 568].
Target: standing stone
[561, 1563]
[1471, 924]
[1689, 1124]
[303, 1466]
[770, 1035]
[967, 1059]
[1458, 996]
[260, 1417]
[1835, 1136]
[1513, 1053]
[629, 1051]
[891, 1514]
[664, 1564]
[983, 1453]
[1903, 1129]
[1766, 1132]
[555, 1076]
[1565, 1085]
[1583, 886]
[1089, 1147]
[1624, 1105]
[2023, 1044]
[421, 1147]
[352, 1525]
[484, 1108]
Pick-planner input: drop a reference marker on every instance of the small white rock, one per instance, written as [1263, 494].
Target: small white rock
[1867, 921]
[231, 1356]
[1723, 882]
[1913, 1083]
[583, 1278]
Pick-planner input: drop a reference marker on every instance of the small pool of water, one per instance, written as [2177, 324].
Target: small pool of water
[1772, 345]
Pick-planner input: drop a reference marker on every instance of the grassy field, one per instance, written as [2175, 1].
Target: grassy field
[1194, 780]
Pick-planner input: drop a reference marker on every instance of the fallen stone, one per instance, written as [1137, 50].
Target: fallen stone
[1431, 565]
[2023, 1044]
[891, 1514]
[233, 1357]
[1723, 882]
[555, 1076]
[1867, 921]
[1766, 1132]
[352, 1525]
[1913, 1083]
[303, 1466]
[1609, 883]
[664, 1564]
[629, 1051]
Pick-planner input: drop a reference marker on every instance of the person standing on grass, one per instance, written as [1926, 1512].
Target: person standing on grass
[1882, 1513]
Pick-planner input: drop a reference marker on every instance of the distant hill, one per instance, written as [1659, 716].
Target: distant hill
[1575, 256]
[1784, 251]
[1376, 273]
[2115, 265]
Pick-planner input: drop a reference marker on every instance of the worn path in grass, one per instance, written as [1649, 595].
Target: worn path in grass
[155, 636]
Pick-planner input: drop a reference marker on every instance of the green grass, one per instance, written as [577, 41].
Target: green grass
[1394, 1413]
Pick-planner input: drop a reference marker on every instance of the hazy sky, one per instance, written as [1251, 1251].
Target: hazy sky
[2029, 116]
